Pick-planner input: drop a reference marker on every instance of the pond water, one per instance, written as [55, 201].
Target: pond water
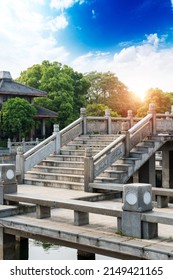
[45, 251]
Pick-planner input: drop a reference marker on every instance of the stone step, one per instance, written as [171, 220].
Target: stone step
[147, 143]
[118, 174]
[123, 167]
[129, 160]
[97, 137]
[54, 184]
[143, 149]
[58, 170]
[136, 154]
[77, 152]
[63, 163]
[91, 142]
[109, 187]
[54, 176]
[70, 158]
[106, 180]
[96, 146]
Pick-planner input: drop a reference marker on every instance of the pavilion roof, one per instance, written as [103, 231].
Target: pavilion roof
[8, 86]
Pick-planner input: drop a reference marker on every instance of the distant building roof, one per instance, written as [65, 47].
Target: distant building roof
[8, 86]
[45, 113]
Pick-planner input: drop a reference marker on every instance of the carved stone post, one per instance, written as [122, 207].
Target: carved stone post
[109, 121]
[152, 110]
[23, 145]
[57, 141]
[20, 165]
[9, 145]
[83, 115]
[137, 199]
[130, 117]
[7, 180]
[124, 130]
[88, 169]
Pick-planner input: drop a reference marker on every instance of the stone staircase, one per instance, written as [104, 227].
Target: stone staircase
[121, 171]
[66, 170]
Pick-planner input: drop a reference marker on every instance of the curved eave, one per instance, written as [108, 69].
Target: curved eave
[45, 116]
[24, 94]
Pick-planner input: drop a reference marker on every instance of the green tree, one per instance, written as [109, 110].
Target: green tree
[95, 109]
[107, 89]
[17, 117]
[161, 100]
[66, 89]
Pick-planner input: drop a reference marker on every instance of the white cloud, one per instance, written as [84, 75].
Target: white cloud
[145, 66]
[92, 61]
[26, 36]
[57, 23]
[139, 67]
[64, 4]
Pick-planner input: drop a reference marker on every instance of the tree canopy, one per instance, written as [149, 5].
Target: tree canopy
[161, 100]
[107, 89]
[66, 88]
[17, 117]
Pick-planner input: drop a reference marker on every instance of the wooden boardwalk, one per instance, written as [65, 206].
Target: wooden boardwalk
[99, 236]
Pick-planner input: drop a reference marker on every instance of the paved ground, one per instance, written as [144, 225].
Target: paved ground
[100, 227]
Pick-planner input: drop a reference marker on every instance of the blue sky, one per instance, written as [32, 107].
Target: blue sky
[133, 39]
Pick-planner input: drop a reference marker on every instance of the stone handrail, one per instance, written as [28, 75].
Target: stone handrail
[109, 155]
[51, 145]
[139, 132]
[95, 165]
[26, 145]
[25, 161]
[71, 131]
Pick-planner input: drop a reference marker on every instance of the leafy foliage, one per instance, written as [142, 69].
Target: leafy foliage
[17, 117]
[95, 109]
[66, 89]
[107, 89]
[161, 100]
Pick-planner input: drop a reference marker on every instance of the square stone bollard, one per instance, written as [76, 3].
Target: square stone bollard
[137, 198]
[8, 182]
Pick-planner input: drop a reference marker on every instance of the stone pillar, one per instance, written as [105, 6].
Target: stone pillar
[137, 198]
[82, 255]
[152, 110]
[20, 165]
[22, 248]
[43, 128]
[130, 117]
[7, 246]
[7, 180]
[124, 130]
[83, 115]
[147, 173]
[109, 121]
[58, 139]
[88, 169]
[167, 175]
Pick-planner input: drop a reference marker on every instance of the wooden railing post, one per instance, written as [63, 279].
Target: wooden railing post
[152, 110]
[124, 130]
[83, 116]
[109, 121]
[57, 140]
[88, 169]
